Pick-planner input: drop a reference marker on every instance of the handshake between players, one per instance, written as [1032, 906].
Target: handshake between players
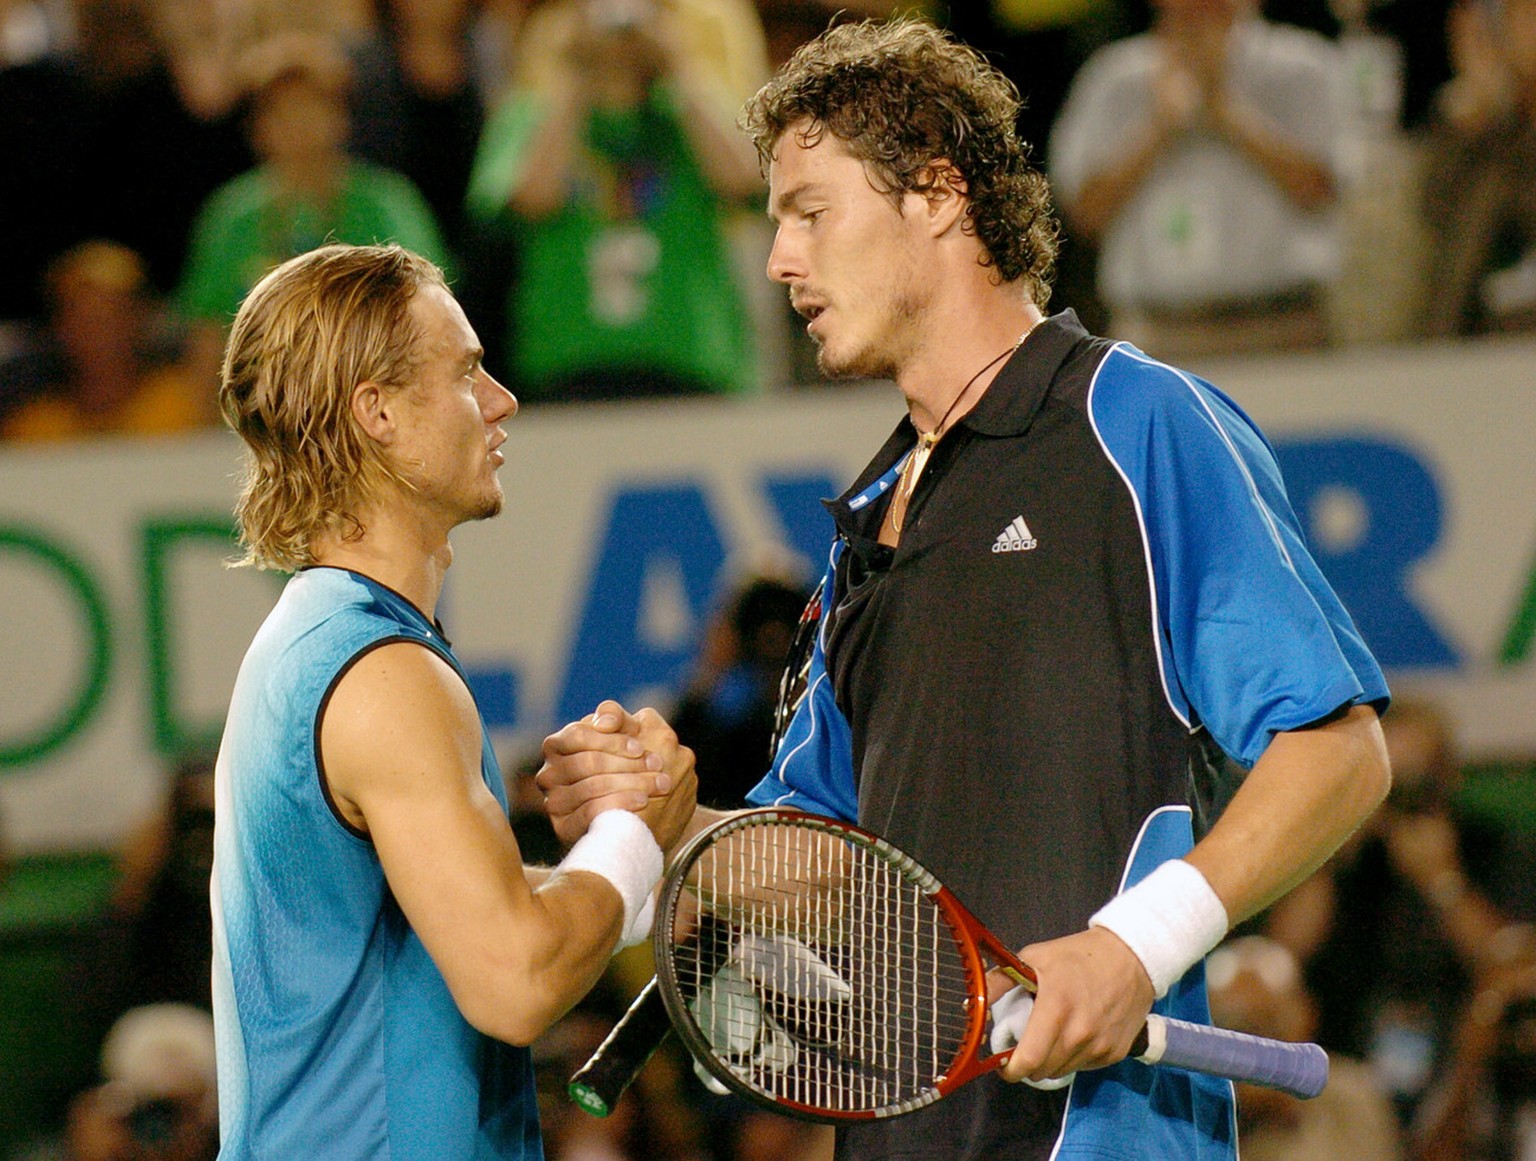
[1094, 992]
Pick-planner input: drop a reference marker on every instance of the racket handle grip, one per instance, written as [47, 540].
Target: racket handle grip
[601, 1081]
[1299, 1069]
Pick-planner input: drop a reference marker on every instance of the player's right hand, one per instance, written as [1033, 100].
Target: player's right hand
[598, 763]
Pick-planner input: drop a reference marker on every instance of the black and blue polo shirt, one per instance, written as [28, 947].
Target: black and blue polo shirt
[1100, 588]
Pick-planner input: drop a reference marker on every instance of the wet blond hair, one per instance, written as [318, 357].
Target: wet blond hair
[304, 338]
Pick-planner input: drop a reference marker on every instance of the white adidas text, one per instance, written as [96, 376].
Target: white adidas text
[1015, 538]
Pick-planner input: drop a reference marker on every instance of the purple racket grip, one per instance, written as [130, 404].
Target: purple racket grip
[1299, 1069]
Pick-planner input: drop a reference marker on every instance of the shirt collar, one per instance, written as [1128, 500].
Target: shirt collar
[1006, 408]
[1009, 404]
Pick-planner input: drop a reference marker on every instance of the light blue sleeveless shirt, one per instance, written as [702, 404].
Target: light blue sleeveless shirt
[337, 1036]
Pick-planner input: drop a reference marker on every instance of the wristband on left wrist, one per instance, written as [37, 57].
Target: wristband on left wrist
[1170, 920]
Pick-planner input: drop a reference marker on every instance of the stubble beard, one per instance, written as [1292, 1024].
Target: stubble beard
[832, 367]
[484, 506]
[878, 358]
[488, 507]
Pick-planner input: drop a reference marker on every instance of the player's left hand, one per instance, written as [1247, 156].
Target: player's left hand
[1010, 1017]
[1093, 999]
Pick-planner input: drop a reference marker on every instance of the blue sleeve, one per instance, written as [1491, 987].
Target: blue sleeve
[1132, 1110]
[813, 767]
[1253, 639]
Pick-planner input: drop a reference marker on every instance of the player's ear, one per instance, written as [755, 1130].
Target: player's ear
[945, 196]
[373, 411]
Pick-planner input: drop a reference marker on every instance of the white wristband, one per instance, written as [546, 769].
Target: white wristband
[1170, 920]
[621, 848]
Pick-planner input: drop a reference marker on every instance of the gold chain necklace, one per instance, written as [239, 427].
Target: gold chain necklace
[906, 482]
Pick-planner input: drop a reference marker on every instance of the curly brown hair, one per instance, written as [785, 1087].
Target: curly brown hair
[305, 337]
[901, 96]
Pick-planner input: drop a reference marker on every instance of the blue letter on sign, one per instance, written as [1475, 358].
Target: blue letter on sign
[807, 526]
[1398, 504]
[650, 595]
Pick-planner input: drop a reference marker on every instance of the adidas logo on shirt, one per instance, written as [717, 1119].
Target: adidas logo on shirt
[1015, 538]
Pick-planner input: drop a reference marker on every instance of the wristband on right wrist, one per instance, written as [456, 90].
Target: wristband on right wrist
[619, 847]
[1169, 920]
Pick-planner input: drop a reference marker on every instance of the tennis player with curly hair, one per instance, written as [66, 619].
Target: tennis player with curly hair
[1068, 588]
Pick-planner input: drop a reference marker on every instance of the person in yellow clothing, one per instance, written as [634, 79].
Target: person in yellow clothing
[105, 382]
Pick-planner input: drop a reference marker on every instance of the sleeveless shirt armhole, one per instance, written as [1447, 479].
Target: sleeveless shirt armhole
[325, 701]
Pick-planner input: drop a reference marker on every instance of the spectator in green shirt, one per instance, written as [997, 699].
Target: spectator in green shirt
[614, 165]
[305, 191]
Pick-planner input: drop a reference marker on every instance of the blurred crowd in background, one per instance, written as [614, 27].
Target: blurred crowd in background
[1318, 174]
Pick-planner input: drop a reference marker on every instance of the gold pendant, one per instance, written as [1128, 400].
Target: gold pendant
[917, 459]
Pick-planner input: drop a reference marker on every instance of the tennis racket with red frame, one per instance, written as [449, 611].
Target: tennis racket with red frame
[812, 967]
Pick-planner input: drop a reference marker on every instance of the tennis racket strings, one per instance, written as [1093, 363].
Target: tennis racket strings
[823, 974]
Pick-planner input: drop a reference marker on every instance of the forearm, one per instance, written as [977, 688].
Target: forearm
[563, 945]
[1469, 920]
[545, 182]
[537, 876]
[1306, 794]
[1306, 181]
[725, 155]
[703, 818]
[538, 943]
[1105, 192]
[572, 930]
[516, 966]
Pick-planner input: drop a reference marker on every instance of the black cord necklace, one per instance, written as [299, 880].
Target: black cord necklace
[918, 459]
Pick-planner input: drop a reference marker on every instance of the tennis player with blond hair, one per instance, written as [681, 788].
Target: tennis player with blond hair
[381, 951]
